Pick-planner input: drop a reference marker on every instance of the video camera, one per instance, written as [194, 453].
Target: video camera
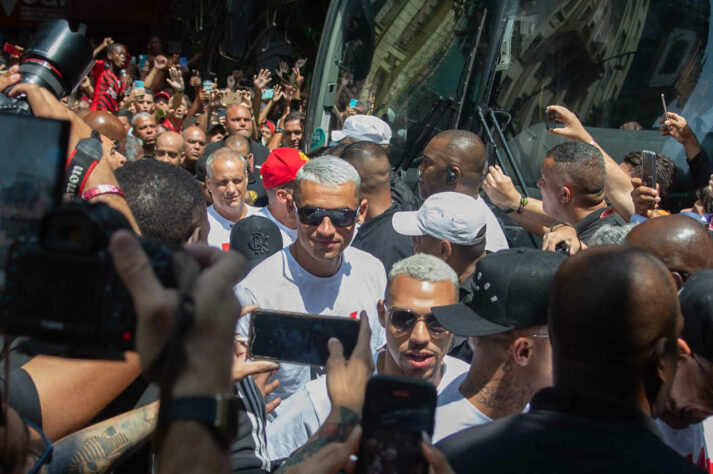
[56, 58]
[59, 286]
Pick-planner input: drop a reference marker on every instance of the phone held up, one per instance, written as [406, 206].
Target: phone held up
[648, 168]
[551, 120]
[299, 338]
[397, 411]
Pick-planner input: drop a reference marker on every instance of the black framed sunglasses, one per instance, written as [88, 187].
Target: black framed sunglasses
[404, 320]
[315, 216]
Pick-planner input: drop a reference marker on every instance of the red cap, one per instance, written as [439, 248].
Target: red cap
[281, 166]
[162, 94]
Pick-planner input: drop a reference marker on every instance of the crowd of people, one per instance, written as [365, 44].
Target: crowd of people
[593, 353]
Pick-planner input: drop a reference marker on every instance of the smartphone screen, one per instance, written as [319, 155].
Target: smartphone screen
[142, 61]
[138, 85]
[207, 85]
[396, 411]
[33, 159]
[300, 338]
[353, 103]
[648, 168]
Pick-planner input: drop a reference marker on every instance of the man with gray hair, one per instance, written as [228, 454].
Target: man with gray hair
[416, 346]
[319, 273]
[227, 181]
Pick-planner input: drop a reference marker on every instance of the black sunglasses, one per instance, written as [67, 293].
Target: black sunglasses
[315, 216]
[405, 320]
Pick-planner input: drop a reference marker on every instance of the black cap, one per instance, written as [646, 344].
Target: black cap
[696, 297]
[510, 290]
[257, 238]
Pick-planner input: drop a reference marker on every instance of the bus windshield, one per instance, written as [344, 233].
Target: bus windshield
[430, 65]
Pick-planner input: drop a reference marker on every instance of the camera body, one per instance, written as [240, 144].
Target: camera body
[62, 290]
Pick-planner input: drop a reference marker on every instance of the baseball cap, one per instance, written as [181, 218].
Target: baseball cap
[256, 238]
[510, 290]
[697, 307]
[162, 95]
[281, 166]
[367, 128]
[454, 217]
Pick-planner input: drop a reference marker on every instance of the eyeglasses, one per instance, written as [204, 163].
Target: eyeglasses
[404, 320]
[315, 216]
[535, 336]
[172, 154]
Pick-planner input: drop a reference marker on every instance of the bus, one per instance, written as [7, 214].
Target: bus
[492, 66]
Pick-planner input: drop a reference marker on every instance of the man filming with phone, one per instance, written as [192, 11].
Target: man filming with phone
[416, 347]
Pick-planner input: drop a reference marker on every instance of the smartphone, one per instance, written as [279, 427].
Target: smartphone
[648, 168]
[207, 85]
[195, 73]
[138, 85]
[353, 103]
[142, 61]
[232, 98]
[183, 62]
[298, 337]
[551, 120]
[397, 410]
[268, 94]
[33, 161]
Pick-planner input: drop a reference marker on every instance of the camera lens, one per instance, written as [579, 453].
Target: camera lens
[57, 58]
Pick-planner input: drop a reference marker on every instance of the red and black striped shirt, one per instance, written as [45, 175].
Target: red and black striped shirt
[106, 92]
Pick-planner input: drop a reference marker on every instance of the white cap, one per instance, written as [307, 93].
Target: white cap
[454, 217]
[367, 128]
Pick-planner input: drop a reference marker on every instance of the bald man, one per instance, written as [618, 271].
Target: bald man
[614, 325]
[454, 160]
[680, 242]
[257, 196]
[169, 148]
[112, 128]
[239, 121]
[377, 236]
[194, 142]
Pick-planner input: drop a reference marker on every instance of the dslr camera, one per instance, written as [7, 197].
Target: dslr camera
[61, 288]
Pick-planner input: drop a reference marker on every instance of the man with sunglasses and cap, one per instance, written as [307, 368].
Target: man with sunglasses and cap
[416, 347]
[319, 273]
[505, 321]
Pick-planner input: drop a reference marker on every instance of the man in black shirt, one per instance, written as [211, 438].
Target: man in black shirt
[377, 236]
[614, 324]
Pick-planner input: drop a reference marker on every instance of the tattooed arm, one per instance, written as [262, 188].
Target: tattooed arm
[97, 448]
[346, 384]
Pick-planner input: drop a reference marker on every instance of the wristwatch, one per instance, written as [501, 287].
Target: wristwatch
[218, 413]
[279, 130]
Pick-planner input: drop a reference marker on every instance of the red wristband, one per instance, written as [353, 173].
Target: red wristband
[101, 189]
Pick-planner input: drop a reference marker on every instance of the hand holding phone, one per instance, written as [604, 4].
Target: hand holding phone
[397, 412]
[299, 338]
[551, 121]
[648, 169]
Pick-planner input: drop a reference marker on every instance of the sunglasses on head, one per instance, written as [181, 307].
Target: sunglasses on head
[315, 216]
[405, 320]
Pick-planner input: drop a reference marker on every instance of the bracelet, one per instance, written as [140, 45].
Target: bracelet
[523, 203]
[593, 142]
[101, 189]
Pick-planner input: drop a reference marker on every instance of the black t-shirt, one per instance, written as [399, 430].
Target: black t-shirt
[601, 217]
[379, 238]
[255, 186]
[562, 434]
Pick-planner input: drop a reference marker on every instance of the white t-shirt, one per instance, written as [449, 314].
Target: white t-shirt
[280, 283]
[288, 235]
[494, 236]
[688, 442]
[301, 416]
[456, 413]
[219, 233]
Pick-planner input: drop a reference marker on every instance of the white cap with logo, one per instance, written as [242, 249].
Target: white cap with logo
[367, 128]
[450, 216]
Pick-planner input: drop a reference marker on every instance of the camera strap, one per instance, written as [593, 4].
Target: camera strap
[81, 163]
